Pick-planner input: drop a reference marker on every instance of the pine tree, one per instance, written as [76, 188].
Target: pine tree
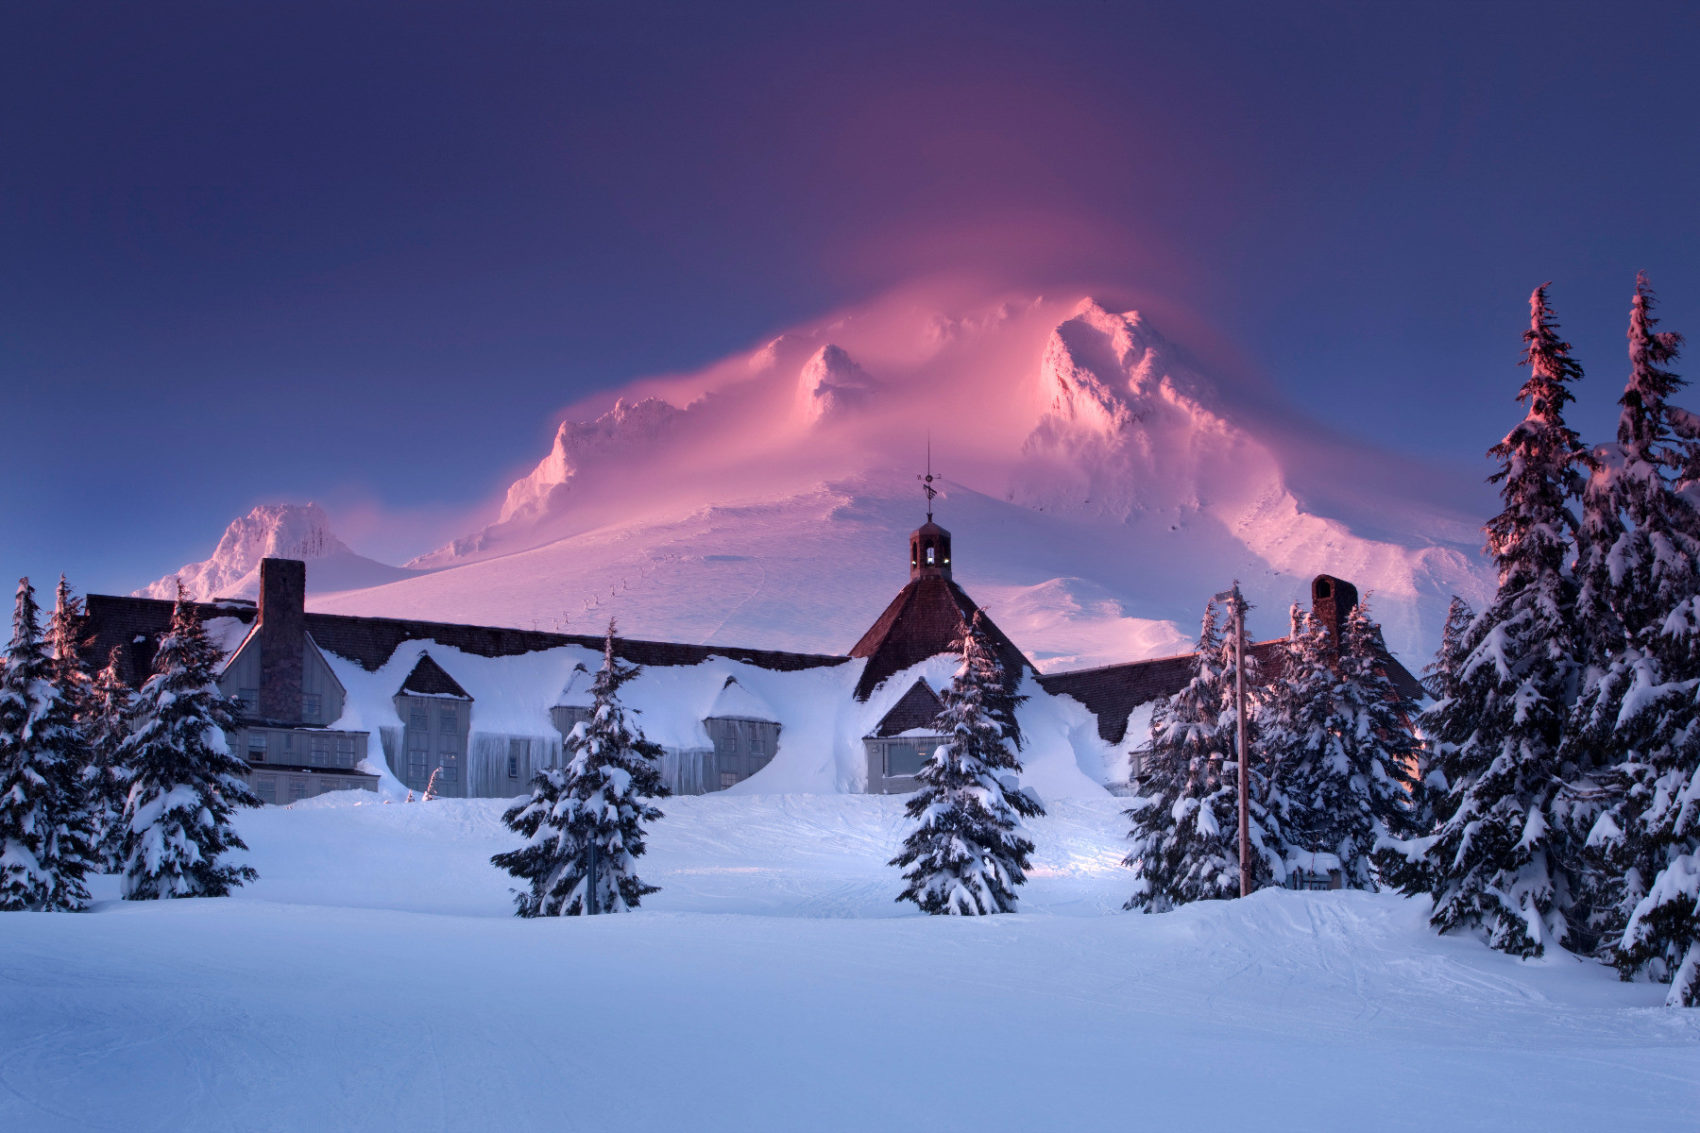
[46, 840]
[969, 850]
[110, 712]
[1638, 727]
[1441, 676]
[1185, 821]
[1441, 679]
[1344, 750]
[1492, 865]
[184, 785]
[66, 639]
[585, 821]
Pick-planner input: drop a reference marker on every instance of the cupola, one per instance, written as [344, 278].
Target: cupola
[929, 551]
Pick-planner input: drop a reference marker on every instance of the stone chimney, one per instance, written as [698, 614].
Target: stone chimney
[283, 638]
[1331, 599]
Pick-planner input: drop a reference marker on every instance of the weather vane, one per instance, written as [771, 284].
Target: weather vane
[927, 480]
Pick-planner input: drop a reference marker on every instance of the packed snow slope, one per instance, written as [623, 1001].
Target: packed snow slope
[1098, 485]
[374, 979]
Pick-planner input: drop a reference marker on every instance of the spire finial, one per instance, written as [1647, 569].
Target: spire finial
[927, 480]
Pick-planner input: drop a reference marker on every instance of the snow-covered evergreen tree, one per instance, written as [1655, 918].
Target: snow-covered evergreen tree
[585, 822]
[1185, 819]
[1492, 865]
[184, 784]
[969, 850]
[1343, 746]
[46, 838]
[107, 726]
[1440, 676]
[1637, 726]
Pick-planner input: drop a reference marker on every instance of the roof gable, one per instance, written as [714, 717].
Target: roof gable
[430, 679]
[917, 709]
[928, 617]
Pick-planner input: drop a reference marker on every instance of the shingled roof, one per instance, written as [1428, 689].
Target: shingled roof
[135, 625]
[430, 679]
[1112, 692]
[918, 708]
[928, 617]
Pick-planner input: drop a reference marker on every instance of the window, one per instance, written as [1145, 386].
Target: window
[517, 749]
[310, 705]
[416, 718]
[418, 765]
[250, 698]
[345, 751]
[297, 789]
[265, 786]
[727, 779]
[448, 719]
[257, 750]
[449, 775]
[320, 755]
[930, 553]
[906, 757]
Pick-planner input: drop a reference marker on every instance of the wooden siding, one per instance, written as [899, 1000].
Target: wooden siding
[322, 695]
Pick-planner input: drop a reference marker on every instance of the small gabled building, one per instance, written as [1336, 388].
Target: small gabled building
[929, 617]
[903, 741]
[436, 716]
[743, 732]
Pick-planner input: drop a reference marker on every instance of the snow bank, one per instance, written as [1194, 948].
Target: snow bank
[373, 979]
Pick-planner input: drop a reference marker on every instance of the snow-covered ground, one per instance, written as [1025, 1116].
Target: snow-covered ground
[374, 979]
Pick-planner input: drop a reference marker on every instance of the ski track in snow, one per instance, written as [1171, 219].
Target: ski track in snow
[374, 978]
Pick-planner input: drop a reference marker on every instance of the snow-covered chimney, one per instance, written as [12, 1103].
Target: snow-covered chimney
[283, 637]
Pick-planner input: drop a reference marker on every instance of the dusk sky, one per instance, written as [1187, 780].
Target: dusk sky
[368, 255]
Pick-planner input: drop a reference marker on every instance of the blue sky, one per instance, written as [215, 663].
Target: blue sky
[366, 254]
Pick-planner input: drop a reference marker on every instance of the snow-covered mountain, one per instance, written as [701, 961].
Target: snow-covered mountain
[1099, 488]
[291, 531]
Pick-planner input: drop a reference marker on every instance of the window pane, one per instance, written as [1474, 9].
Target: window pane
[905, 758]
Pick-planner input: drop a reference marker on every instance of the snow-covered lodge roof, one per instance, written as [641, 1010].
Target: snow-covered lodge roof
[926, 619]
[134, 625]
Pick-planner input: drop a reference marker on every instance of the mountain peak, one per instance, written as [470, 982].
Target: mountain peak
[287, 531]
[830, 384]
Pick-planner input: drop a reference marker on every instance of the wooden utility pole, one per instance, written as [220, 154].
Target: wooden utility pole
[1236, 606]
[1240, 748]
